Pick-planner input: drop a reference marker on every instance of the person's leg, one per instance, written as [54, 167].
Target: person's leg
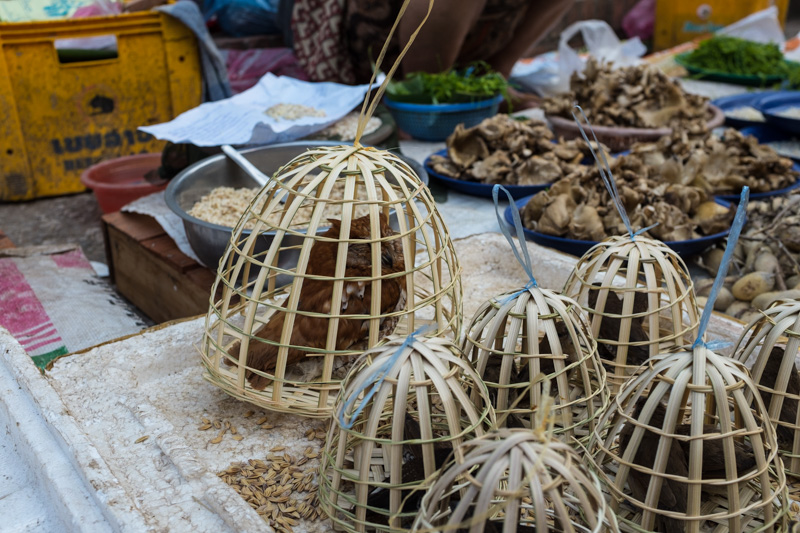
[538, 20]
[439, 42]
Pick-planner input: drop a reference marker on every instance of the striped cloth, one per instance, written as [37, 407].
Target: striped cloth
[53, 303]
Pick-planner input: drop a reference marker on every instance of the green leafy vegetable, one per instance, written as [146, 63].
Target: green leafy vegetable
[733, 55]
[476, 82]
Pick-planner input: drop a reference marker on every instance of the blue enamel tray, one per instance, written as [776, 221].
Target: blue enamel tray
[578, 248]
[475, 188]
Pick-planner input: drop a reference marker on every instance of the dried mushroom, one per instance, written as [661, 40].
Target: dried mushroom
[718, 164]
[579, 206]
[504, 150]
[635, 97]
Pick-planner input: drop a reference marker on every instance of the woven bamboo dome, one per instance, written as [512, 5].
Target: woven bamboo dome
[640, 299]
[681, 450]
[518, 335]
[770, 346]
[357, 250]
[414, 411]
[516, 480]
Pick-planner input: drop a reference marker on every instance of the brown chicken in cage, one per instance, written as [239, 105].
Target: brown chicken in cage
[316, 297]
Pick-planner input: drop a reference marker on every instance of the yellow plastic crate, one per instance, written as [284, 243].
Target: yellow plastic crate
[679, 21]
[60, 118]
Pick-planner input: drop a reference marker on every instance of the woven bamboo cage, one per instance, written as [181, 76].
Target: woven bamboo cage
[518, 335]
[640, 299]
[358, 250]
[516, 480]
[680, 449]
[412, 420]
[770, 346]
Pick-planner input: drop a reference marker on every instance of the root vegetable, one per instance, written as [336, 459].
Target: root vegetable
[724, 299]
[753, 284]
[712, 260]
[766, 262]
[764, 300]
[737, 309]
[701, 301]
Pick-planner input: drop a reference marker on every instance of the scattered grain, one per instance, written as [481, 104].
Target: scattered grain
[141, 439]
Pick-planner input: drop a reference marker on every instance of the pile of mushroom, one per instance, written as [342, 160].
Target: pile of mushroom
[579, 206]
[718, 164]
[635, 97]
[504, 150]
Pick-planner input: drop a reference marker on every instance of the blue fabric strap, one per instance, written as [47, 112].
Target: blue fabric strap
[524, 258]
[605, 173]
[378, 376]
[733, 237]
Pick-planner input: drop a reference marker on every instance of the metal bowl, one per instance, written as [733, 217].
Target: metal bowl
[208, 240]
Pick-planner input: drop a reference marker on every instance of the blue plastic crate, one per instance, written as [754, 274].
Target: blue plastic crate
[435, 122]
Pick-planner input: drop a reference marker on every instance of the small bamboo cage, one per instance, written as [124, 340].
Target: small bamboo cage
[357, 251]
[681, 450]
[516, 480]
[416, 412]
[640, 299]
[518, 335]
[770, 346]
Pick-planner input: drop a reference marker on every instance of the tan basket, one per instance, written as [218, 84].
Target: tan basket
[293, 331]
[498, 344]
[777, 330]
[513, 477]
[418, 415]
[666, 471]
[654, 308]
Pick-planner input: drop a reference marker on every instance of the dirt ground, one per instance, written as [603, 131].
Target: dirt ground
[65, 219]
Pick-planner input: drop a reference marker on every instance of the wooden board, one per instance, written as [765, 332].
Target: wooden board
[150, 271]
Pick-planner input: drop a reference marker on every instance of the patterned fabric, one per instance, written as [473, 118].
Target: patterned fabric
[318, 40]
[339, 40]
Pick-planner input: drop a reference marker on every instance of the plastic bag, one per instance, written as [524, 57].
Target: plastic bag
[761, 27]
[243, 18]
[640, 20]
[551, 74]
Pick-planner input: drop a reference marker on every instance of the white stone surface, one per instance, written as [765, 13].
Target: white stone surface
[69, 460]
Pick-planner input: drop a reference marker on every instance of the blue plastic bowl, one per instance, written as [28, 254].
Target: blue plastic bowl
[578, 248]
[435, 122]
[729, 103]
[773, 104]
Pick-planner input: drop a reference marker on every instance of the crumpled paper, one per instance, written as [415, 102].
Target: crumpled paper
[241, 119]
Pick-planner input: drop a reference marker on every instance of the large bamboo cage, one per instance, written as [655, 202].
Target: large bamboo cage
[680, 449]
[769, 346]
[640, 300]
[334, 280]
[514, 338]
[516, 480]
[413, 419]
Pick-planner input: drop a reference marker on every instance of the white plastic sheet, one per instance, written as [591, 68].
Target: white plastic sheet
[552, 75]
[241, 119]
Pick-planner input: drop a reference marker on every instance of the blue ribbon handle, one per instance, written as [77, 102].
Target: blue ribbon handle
[378, 375]
[524, 258]
[605, 174]
[733, 238]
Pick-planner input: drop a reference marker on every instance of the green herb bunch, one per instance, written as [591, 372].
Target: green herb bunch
[733, 55]
[476, 82]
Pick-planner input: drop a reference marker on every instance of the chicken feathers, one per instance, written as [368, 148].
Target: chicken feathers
[316, 295]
